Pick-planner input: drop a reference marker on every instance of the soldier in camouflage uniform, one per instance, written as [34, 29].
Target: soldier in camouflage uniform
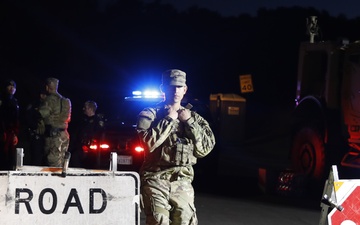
[56, 113]
[174, 138]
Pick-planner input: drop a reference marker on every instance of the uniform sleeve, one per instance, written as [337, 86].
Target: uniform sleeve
[45, 109]
[201, 134]
[152, 131]
[56, 111]
[65, 112]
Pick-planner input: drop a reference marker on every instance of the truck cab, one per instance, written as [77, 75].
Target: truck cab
[326, 118]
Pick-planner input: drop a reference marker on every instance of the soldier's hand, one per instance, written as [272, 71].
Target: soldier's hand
[184, 114]
[41, 127]
[15, 140]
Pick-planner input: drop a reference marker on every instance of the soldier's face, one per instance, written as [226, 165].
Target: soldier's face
[11, 89]
[87, 110]
[174, 94]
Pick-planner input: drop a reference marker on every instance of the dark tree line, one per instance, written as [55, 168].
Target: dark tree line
[100, 51]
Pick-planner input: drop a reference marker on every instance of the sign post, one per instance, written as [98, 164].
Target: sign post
[43, 196]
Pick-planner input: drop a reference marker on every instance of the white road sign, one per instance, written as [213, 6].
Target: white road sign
[82, 197]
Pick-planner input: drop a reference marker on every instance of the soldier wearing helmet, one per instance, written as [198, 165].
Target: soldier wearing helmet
[174, 137]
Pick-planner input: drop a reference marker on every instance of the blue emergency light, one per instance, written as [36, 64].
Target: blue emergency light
[146, 95]
[153, 94]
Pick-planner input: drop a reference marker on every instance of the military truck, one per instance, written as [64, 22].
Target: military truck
[326, 118]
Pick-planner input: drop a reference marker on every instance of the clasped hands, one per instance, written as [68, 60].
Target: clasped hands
[181, 114]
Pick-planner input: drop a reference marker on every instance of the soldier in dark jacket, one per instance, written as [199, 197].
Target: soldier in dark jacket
[36, 129]
[91, 126]
[9, 125]
[174, 137]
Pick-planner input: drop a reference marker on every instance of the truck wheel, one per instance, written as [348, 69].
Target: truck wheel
[308, 153]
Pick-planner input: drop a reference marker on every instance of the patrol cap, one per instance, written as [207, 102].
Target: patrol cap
[10, 83]
[174, 77]
[52, 80]
[52, 83]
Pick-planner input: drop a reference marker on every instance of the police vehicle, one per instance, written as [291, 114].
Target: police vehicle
[120, 135]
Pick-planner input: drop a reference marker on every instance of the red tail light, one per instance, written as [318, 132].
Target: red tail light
[85, 148]
[104, 146]
[94, 145]
[138, 148]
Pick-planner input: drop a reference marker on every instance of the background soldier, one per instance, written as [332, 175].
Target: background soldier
[36, 129]
[91, 126]
[9, 125]
[56, 113]
[173, 137]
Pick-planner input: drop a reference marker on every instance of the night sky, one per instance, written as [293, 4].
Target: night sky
[103, 51]
[349, 8]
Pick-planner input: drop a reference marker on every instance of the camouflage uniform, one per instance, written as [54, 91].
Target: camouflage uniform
[56, 113]
[171, 149]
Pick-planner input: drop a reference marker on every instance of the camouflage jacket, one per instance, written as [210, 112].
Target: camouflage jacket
[170, 143]
[56, 111]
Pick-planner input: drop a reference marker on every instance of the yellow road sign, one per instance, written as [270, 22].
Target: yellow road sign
[246, 84]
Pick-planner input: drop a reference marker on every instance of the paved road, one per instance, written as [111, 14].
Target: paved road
[261, 210]
[226, 201]
[243, 203]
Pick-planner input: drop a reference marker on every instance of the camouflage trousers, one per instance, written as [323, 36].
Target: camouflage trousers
[55, 148]
[168, 202]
